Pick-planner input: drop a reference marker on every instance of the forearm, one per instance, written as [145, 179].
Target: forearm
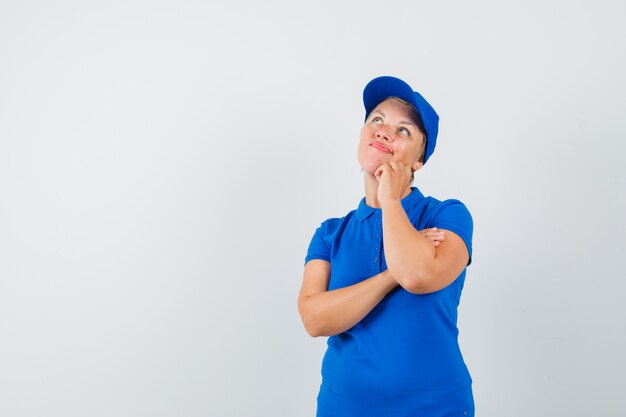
[410, 257]
[333, 312]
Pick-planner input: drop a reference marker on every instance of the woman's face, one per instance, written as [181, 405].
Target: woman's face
[390, 134]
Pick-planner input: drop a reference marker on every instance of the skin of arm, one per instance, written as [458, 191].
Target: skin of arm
[327, 313]
[417, 265]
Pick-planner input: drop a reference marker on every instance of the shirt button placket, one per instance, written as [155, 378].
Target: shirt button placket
[378, 233]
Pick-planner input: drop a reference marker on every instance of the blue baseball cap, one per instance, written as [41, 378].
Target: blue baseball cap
[382, 88]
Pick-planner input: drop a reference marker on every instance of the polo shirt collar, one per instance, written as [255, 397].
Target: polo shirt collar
[414, 197]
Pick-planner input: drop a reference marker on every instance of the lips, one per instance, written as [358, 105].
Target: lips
[381, 147]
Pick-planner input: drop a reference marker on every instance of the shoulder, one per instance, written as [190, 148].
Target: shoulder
[323, 239]
[430, 210]
[333, 225]
[423, 209]
[452, 215]
[451, 209]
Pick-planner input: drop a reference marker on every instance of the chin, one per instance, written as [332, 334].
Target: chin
[370, 168]
[370, 161]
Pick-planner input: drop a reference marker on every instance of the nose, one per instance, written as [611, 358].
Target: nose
[383, 133]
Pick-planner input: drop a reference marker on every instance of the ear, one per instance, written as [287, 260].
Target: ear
[416, 166]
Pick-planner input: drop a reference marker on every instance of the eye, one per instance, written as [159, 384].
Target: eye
[404, 131]
[377, 120]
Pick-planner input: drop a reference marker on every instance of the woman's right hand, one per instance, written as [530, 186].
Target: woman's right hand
[434, 235]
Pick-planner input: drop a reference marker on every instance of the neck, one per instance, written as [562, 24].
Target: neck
[371, 191]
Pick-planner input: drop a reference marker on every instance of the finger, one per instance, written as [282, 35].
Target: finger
[383, 167]
[399, 166]
[435, 242]
[379, 171]
[434, 238]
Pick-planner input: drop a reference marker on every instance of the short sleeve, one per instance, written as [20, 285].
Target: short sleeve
[319, 247]
[452, 215]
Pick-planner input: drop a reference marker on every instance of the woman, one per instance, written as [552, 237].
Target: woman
[384, 282]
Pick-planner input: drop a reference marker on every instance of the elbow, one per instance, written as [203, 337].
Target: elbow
[314, 332]
[318, 330]
[316, 326]
[311, 328]
[311, 323]
[415, 286]
[414, 281]
[414, 275]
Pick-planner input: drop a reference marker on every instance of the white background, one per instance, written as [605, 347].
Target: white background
[164, 164]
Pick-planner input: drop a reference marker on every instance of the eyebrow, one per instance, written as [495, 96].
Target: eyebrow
[401, 122]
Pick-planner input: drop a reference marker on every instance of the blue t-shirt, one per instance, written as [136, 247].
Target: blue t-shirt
[403, 358]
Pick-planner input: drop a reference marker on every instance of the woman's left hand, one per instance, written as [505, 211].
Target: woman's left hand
[434, 235]
[393, 179]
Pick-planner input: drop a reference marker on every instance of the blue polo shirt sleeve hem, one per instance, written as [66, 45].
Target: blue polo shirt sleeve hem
[319, 247]
[452, 215]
